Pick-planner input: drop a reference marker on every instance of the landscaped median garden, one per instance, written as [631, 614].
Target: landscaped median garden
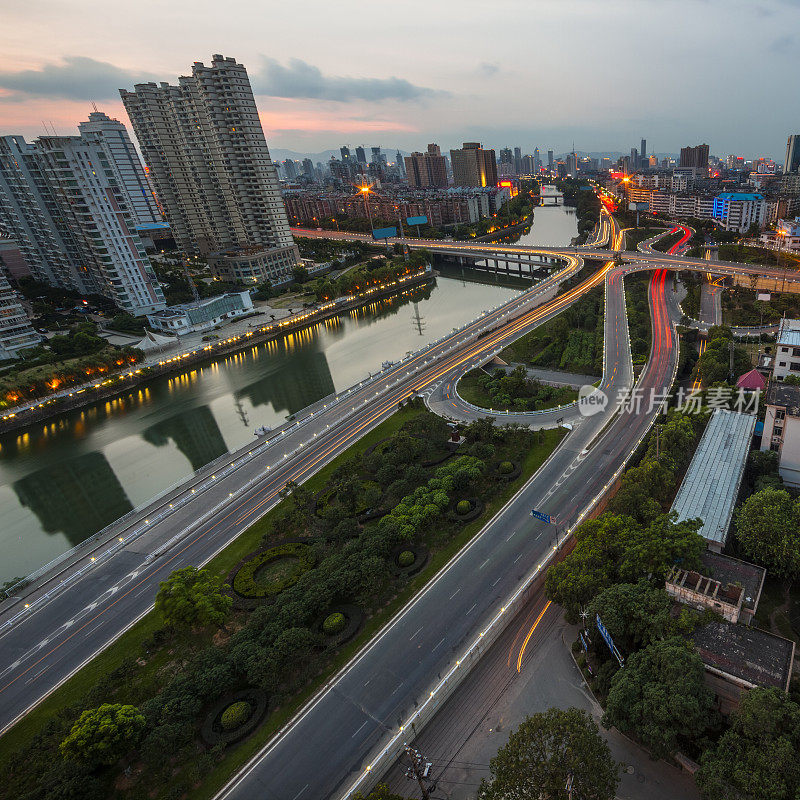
[233, 650]
[512, 391]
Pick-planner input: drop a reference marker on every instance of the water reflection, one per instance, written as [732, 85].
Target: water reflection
[76, 498]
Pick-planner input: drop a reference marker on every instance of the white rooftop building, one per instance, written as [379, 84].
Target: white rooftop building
[711, 484]
[787, 349]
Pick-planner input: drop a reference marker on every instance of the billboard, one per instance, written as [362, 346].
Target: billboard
[384, 233]
[603, 631]
[423, 220]
[638, 206]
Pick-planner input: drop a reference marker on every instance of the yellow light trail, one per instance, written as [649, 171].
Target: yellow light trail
[530, 633]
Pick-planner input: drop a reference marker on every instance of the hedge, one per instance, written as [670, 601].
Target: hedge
[334, 623]
[245, 584]
[235, 715]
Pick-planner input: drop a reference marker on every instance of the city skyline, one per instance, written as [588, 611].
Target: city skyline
[360, 83]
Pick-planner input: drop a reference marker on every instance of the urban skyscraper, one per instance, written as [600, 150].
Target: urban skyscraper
[792, 163]
[643, 150]
[473, 166]
[695, 156]
[125, 160]
[66, 202]
[213, 174]
[550, 160]
[428, 169]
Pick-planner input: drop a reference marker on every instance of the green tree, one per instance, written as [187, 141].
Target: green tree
[660, 697]
[768, 529]
[544, 752]
[756, 758]
[380, 792]
[635, 614]
[191, 597]
[103, 735]
[615, 549]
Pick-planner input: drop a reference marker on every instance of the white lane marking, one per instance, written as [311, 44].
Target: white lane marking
[468, 612]
[441, 641]
[485, 563]
[520, 555]
[455, 593]
[496, 582]
[300, 792]
[359, 728]
[512, 534]
[415, 633]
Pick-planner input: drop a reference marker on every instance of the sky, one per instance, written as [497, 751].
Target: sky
[528, 73]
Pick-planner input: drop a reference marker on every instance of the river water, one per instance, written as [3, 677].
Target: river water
[66, 478]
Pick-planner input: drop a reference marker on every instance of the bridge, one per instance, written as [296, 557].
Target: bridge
[350, 730]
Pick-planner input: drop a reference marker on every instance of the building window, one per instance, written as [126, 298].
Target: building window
[776, 446]
[780, 413]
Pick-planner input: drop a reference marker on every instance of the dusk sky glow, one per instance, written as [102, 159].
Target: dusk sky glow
[537, 73]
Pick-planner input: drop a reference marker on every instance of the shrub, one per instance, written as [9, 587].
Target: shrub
[334, 623]
[245, 583]
[463, 507]
[235, 715]
[406, 559]
[505, 468]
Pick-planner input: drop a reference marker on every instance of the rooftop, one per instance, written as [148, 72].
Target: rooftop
[785, 396]
[729, 571]
[739, 196]
[789, 332]
[749, 654]
[711, 484]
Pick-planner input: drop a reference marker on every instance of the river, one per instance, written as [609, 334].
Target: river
[64, 479]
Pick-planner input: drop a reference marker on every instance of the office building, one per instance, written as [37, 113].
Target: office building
[643, 150]
[398, 158]
[473, 166]
[345, 153]
[208, 159]
[738, 211]
[64, 201]
[427, 170]
[518, 160]
[537, 160]
[126, 163]
[696, 157]
[634, 159]
[16, 331]
[361, 156]
[528, 165]
[550, 160]
[572, 165]
[792, 162]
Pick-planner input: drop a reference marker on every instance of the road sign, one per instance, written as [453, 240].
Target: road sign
[423, 220]
[384, 233]
[603, 631]
[543, 517]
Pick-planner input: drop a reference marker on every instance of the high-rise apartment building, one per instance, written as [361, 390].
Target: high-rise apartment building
[473, 166]
[66, 203]
[528, 165]
[792, 163]
[16, 331]
[550, 159]
[126, 163]
[398, 158]
[361, 156]
[696, 157]
[537, 160]
[204, 145]
[518, 160]
[427, 170]
[643, 151]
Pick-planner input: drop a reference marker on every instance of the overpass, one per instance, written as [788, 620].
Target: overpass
[343, 729]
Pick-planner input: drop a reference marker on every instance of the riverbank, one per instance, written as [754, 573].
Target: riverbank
[115, 385]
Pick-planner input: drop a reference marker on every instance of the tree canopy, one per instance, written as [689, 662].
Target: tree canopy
[103, 735]
[768, 529]
[756, 758]
[615, 549]
[660, 697]
[191, 597]
[548, 752]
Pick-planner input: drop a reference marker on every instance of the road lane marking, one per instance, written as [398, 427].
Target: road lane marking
[470, 610]
[356, 733]
[416, 632]
[455, 593]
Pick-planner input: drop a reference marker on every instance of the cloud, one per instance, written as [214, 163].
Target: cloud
[303, 80]
[488, 69]
[75, 78]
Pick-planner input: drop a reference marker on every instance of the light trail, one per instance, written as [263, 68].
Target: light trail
[530, 633]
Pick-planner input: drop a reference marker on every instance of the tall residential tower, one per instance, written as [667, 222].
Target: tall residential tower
[208, 159]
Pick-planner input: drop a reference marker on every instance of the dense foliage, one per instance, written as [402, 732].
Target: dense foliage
[191, 597]
[660, 697]
[511, 391]
[103, 735]
[714, 365]
[546, 752]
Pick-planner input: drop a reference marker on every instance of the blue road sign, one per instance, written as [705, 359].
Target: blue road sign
[543, 517]
[384, 233]
[603, 631]
[417, 220]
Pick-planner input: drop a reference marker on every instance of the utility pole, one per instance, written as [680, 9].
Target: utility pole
[420, 769]
[417, 321]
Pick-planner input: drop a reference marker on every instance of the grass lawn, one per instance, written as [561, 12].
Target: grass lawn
[155, 672]
[469, 389]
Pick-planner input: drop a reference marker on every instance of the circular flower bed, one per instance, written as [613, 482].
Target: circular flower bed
[334, 623]
[408, 559]
[508, 470]
[466, 510]
[234, 716]
[505, 467]
[341, 624]
[269, 572]
[463, 507]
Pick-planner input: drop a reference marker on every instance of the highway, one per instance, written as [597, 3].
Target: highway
[350, 717]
